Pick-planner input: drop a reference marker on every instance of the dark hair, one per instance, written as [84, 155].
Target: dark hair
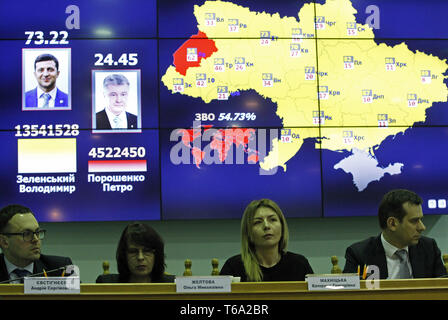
[6, 213]
[392, 205]
[46, 57]
[143, 235]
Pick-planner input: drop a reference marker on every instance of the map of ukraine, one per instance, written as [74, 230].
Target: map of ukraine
[357, 85]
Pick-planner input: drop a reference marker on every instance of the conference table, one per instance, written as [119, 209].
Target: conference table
[404, 289]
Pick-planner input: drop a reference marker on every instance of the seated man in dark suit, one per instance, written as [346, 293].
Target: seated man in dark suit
[114, 115]
[20, 240]
[400, 251]
[46, 94]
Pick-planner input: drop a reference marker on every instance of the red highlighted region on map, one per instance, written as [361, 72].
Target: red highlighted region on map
[222, 141]
[191, 53]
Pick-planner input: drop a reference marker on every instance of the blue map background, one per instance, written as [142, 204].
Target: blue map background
[310, 187]
[421, 149]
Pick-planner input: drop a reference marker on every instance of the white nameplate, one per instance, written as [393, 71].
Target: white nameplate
[52, 285]
[204, 284]
[340, 281]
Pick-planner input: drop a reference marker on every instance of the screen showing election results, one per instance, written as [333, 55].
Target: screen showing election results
[164, 110]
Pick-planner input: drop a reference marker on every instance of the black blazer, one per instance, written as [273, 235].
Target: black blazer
[102, 122]
[115, 278]
[45, 262]
[425, 257]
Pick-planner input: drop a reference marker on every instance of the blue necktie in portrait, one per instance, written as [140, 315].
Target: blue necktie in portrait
[47, 98]
[117, 122]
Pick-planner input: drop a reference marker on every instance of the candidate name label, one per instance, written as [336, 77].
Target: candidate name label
[204, 284]
[52, 285]
[348, 281]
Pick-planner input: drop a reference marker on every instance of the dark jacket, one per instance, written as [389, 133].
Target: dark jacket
[45, 262]
[425, 257]
[102, 121]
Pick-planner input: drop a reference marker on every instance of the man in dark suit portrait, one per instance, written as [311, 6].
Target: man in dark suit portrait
[400, 251]
[20, 241]
[46, 95]
[114, 115]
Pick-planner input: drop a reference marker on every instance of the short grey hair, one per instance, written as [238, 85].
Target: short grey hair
[115, 79]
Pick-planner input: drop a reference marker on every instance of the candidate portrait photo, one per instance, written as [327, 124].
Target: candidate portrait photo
[46, 79]
[116, 101]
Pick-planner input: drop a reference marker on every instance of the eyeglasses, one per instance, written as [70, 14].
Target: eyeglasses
[28, 235]
[135, 252]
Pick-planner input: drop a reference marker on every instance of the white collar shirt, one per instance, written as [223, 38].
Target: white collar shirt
[122, 120]
[41, 99]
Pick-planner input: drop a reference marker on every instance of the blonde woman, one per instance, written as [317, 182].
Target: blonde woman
[264, 238]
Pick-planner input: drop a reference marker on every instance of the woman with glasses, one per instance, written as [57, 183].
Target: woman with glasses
[140, 257]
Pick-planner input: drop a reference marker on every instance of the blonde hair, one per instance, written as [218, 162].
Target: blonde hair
[250, 261]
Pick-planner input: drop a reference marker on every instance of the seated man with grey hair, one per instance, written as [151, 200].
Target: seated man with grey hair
[114, 115]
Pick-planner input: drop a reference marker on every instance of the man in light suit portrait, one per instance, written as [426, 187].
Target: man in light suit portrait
[46, 95]
[114, 115]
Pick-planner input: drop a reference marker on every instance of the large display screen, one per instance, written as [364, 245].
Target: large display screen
[159, 110]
